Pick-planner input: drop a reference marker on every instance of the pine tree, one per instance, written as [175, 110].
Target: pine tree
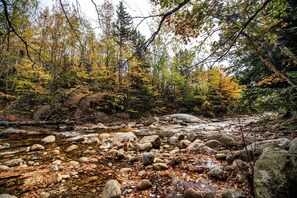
[122, 33]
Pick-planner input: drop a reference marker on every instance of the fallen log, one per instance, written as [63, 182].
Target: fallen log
[35, 123]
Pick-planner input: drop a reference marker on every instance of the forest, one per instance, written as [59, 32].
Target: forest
[50, 54]
[178, 99]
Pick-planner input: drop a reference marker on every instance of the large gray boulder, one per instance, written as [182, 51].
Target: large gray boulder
[275, 174]
[185, 118]
[124, 139]
[198, 145]
[155, 140]
[112, 189]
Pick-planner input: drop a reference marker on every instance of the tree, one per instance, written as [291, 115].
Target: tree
[122, 32]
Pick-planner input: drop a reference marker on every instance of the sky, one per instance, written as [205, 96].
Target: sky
[136, 8]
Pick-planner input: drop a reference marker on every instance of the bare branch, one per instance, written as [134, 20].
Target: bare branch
[98, 13]
[237, 33]
[153, 36]
[27, 46]
[70, 24]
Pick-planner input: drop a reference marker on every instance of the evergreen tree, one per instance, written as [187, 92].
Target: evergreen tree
[122, 33]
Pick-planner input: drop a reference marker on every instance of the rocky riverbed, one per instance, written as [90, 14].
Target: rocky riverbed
[171, 156]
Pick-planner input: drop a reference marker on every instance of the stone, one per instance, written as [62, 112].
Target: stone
[148, 159]
[3, 168]
[112, 189]
[160, 166]
[7, 196]
[275, 174]
[233, 193]
[84, 159]
[184, 144]
[293, 146]
[185, 118]
[57, 162]
[155, 140]
[142, 173]
[49, 139]
[198, 145]
[191, 193]
[37, 147]
[144, 184]
[125, 170]
[124, 139]
[173, 140]
[191, 136]
[54, 168]
[213, 144]
[14, 162]
[71, 148]
[221, 156]
[217, 173]
[4, 146]
[13, 131]
[58, 178]
[145, 146]
[44, 195]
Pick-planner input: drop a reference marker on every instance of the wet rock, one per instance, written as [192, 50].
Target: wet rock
[240, 165]
[221, 156]
[112, 189]
[184, 144]
[30, 163]
[224, 139]
[37, 147]
[49, 139]
[191, 136]
[116, 154]
[275, 174]
[148, 159]
[198, 145]
[14, 162]
[54, 168]
[91, 140]
[75, 139]
[155, 140]
[145, 146]
[158, 160]
[160, 166]
[71, 148]
[213, 144]
[233, 193]
[185, 118]
[4, 146]
[191, 193]
[125, 170]
[44, 195]
[58, 178]
[84, 159]
[142, 173]
[57, 162]
[55, 152]
[217, 173]
[3, 168]
[14, 131]
[74, 164]
[7, 196]
[124, 139]
[173, 140]
[144, 184]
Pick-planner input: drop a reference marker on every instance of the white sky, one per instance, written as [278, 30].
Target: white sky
[134, 7]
